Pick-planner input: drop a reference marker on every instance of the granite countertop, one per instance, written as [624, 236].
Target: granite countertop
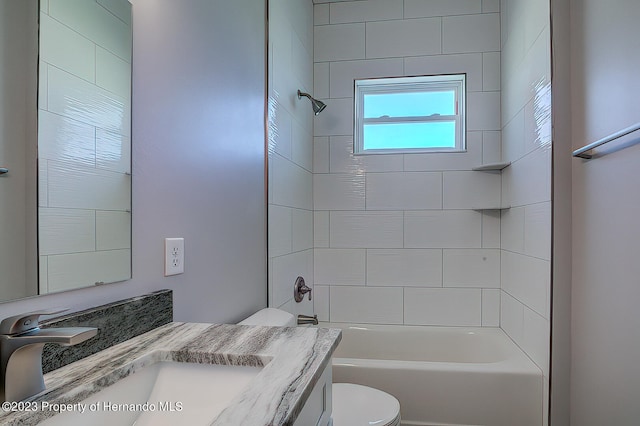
[293, 360]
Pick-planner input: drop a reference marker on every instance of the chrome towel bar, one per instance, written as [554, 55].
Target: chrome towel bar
[3, 170]
[582, 151]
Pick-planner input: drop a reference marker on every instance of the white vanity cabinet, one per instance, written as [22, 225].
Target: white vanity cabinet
[317, 410]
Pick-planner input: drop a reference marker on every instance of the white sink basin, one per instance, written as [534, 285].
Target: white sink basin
[174, 393]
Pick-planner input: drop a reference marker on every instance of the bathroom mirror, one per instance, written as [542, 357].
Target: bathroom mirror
[66, 77]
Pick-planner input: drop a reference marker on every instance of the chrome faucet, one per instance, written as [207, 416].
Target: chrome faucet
[307, 319]
[21, 343]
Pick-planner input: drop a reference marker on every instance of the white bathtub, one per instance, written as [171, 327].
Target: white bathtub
[443, 375]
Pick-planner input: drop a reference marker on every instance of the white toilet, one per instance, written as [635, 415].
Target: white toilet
[353, 405]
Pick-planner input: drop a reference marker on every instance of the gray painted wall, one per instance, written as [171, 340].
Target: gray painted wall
[605, 334]
[198, 160]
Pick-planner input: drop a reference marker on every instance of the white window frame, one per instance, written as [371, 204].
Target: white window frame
[457, 82]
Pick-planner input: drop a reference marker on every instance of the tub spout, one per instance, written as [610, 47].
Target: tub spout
[21, 343]
[306, 319]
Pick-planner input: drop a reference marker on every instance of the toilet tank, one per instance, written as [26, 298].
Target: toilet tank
[271, 317]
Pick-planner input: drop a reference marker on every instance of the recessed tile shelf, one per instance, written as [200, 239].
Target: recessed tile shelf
[491, 208]
[491, 167]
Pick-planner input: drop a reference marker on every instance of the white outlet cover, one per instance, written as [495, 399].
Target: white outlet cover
[173, 256]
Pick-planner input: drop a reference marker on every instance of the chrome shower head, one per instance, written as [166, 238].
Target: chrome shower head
[318, 106]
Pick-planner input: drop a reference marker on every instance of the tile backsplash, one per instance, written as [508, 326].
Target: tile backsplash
[116, 322]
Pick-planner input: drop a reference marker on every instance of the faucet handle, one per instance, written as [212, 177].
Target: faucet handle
[24, 322]
[300, 289]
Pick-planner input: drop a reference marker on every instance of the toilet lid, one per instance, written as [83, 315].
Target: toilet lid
[357, 405]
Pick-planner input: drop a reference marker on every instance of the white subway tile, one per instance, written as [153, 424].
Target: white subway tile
[365, 11]
[511, 316]
[302, 62]
[321, 154]
[82, 101]
[490, 308]
[43, 85]
[113, 151]
[467, 190]
[69, 271]
[43, 183]
[342, 159]
[403, 191]
[491, 147]
[66, 49]
[96, 23]
[339, 267]
[526, 279]
[369, 305]
[531, 178]
[491, 71]
[426, 8]
[113, 73]
[301, 17]
[443, 229]
[43, 273]
[302, 146]
[339, 192]
[120, 8]
[538, 18]
[471, 268]
[456, 32]
[536, 339]
[336, 119]
[321, 229]
[448, 161]
[537, 121]
[321, 80]
[65, 139]
[469, 63]
[66, 231]
[88, 188]
[513, 138]
[270, 178]
[280, 130]
[366, 229]
[512, 230]
[490, 6]
[343, 73]
[302, 229]
[291, 184]
[285, 271]
[442, 306]
[280, 230]
[483, 111]
[321, 302]
[320, 14]
[404, 267]
[412, 37]
[537, 230]
[339, 42]
[491, 229]
[113, 230]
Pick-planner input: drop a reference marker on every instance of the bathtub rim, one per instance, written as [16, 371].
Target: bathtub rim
[516, 363]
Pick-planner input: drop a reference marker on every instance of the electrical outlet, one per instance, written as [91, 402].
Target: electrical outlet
[173, 256]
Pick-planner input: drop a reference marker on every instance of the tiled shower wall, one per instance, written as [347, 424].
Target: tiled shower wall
[403, 239]
[526, 138]
[84, 128]
[290, 138]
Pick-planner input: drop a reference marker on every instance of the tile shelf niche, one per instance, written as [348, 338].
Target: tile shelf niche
[488, 168]
[491, 167]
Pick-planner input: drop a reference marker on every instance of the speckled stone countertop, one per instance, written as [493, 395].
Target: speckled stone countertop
[293, 360]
